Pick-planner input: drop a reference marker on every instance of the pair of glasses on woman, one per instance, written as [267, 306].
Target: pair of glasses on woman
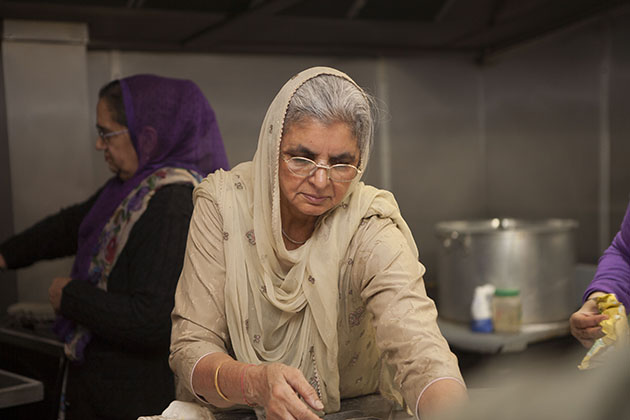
[304, 167]
[105, 136]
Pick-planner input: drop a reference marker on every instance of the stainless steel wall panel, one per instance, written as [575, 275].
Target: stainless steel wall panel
[49, 140]
[543, 133]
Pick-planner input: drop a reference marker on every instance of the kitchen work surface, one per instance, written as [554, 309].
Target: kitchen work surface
[369, 407]
[29, 348]
[16, 389]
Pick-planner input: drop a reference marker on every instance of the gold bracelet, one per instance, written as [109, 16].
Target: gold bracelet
[216, 382]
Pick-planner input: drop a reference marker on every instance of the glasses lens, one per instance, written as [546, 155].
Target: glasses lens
[343, 173]
[301, 166]
[104, 135]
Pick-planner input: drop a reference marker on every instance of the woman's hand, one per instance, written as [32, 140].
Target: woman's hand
[55, 291]
[277, 388]
[585, 322]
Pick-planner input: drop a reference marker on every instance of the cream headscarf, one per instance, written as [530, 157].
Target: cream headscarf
[282, 306]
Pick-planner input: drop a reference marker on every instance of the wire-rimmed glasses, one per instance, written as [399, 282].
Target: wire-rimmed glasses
[305, 167]
[106, 136]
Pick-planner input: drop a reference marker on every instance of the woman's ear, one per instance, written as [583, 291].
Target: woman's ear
[147, 145]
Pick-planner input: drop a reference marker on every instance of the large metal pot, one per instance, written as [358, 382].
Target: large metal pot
[537, 257]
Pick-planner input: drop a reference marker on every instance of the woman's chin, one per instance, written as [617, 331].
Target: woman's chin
[309, 209]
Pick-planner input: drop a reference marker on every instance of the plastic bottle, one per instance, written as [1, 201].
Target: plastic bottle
[481, 309]
[507, 311]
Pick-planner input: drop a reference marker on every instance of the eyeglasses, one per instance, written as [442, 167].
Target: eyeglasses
[106, 136]
[305, 167]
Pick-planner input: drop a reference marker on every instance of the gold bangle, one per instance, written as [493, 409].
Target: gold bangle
[216, 382]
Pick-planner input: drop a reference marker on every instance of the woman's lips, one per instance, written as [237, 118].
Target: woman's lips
[314, 199]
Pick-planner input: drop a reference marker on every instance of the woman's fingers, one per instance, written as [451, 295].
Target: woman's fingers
[285, 404]
[587, 336]
[285, 384]
[305, 390]
[582, 320]
[593, 333]
[585, 327]
[585, 324]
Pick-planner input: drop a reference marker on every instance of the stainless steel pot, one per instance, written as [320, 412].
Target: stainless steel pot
[537, 257]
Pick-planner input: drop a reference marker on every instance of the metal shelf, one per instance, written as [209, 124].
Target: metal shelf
[460, 336]
[17, 389]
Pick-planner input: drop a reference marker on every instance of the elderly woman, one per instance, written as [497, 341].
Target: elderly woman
[301, 285]
[160, 137]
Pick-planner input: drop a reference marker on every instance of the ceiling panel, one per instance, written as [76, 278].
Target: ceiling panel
[346, 27]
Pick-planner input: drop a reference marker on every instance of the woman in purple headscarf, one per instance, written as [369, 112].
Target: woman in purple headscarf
[160, 137]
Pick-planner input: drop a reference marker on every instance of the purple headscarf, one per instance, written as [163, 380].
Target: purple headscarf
[171, 124]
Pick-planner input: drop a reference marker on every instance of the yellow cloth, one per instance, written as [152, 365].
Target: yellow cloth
[351, 293]
[615, 329]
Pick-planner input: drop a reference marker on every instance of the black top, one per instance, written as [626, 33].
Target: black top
[54, 237]
[125, 373]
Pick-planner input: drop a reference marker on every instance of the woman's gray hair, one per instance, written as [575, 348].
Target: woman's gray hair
[330, 99]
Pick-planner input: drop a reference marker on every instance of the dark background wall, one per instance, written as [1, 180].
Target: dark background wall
[8, 284]
[538, 132]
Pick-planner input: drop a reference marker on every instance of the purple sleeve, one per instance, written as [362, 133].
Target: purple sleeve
[613, 269]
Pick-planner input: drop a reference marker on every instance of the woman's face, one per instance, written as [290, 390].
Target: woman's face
[325, 144]
[120, 155]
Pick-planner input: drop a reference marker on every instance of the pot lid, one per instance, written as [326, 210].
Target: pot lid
[504, 224]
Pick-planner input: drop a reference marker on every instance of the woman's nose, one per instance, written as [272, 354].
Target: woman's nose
[100, 144]
[320, 177]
